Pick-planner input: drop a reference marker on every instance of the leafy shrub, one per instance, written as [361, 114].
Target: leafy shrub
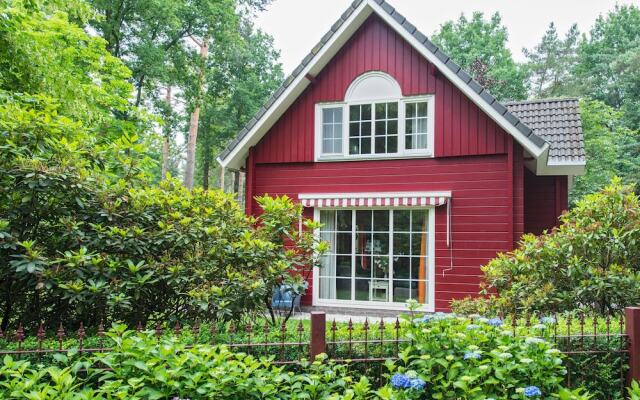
[459, 358]
[592, 261]
[143, 368]
[80, 241]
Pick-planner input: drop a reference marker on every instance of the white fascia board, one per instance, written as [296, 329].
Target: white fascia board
[455, 79]
[542, 166]
[236, 157]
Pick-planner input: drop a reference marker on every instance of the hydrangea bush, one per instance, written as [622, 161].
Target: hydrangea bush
[464, 358]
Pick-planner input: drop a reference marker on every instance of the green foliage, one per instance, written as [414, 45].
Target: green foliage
[551, 62]
[590, 262]
[464, 359]
[468, 40]
[634, 391]
[143, 368]
[612, 149]
[610, 49]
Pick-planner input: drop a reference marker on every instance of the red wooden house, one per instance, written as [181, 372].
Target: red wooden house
[419, 175]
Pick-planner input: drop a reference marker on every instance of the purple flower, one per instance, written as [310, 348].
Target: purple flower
[532, 391]
[400, 381]
[418, 384]
[495, 322]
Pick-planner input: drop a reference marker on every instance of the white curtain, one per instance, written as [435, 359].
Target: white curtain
[328, 272]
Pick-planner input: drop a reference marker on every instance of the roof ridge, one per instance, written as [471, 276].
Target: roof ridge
[545, 100]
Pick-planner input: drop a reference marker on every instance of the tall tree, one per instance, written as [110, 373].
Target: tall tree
[612, 149]
[484, 42]
[606, 60]
[551, 63]
[234, 94]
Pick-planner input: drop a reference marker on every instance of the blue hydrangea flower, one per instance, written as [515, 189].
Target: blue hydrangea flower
[418, 384]
[548, 320]
[532, 391]
[472, 355]
[400, 381]
[495, 322]
[425, 319]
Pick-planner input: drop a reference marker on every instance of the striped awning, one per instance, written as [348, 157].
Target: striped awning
[380, 199]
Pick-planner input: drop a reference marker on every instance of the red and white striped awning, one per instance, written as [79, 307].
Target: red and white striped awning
[380, 199]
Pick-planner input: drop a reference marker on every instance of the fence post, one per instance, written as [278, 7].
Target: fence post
[318, 334]
[632, 327]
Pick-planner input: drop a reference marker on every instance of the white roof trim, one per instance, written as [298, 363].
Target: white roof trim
[236, 156]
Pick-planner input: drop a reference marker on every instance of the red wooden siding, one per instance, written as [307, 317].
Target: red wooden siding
[545, 198]
[461, 128]
[481, 205]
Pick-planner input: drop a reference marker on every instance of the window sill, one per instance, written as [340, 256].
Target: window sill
[370, 157]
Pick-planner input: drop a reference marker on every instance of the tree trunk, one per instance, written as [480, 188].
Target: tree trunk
[165, 142]
[205, 172]
[193, 123]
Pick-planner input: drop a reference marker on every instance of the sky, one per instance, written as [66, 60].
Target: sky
[297, 25]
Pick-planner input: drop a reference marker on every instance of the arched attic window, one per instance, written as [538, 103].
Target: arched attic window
[374, 121]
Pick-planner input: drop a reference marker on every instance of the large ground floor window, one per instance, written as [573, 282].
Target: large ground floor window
[377, 256]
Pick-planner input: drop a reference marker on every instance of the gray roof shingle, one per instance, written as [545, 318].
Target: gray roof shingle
[411, 29]
[558, 122]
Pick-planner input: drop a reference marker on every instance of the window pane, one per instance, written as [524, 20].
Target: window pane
[363, 243]
[343, 289]
[381, 267]
[362, 289]
[381, 220]
[422, 109]
[354, 146]
[421, 125]
[381, 128]
[363, 220]
[327, 131]
[401, 220]
[418, 240]
[343, 243]
[401, 242]
[381, 145]
[343, 266]
[392, 110]
[417, 265]
[408, 142]
[410, 126]
[392, 127]
[392, 144]
[326, 288]
[365, 146]
[381, 111]
[380, 290]
[365, 128]
[327, 146]
[363, 266]
[418, 219]
[410, 110]
[325, 265]
[337, 115]
[343, 220]
[401, 268]
[365, 112]
[354, 113]
[420, 142]
[354, 129]
[380, 243]
[402, 291]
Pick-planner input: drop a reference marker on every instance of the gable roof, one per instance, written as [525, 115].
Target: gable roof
[558, 122]
[332, 41]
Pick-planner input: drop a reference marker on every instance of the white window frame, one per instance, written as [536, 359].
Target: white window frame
[429, 306]
[402, 152]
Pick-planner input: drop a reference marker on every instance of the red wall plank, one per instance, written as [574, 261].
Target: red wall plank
[481, 204]
[545, 198]
[461, 127]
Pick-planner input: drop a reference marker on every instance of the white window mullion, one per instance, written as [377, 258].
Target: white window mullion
[390, 291]
[353, 255]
